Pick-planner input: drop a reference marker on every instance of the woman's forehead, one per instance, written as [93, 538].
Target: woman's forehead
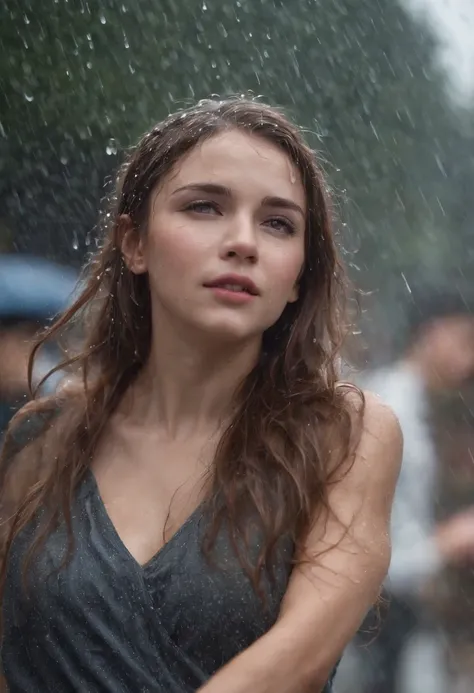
[233, 158]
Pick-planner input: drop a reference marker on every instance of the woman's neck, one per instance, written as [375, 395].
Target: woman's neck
[186, 388]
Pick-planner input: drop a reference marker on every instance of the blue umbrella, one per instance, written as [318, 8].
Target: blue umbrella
[34, 288]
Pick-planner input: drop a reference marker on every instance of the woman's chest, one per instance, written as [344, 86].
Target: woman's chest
[150, 487]
[208, 609]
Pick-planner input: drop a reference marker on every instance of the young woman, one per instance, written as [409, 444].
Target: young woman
[209, 509]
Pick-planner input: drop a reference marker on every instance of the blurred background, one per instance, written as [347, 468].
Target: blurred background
[385, 90]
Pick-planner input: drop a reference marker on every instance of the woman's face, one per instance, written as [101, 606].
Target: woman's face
[224, 245]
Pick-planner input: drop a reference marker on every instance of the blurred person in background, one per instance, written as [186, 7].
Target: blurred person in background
[32, 291]
[438, 358]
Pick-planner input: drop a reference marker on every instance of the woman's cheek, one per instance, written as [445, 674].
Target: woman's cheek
[285, 273]
[177, 248]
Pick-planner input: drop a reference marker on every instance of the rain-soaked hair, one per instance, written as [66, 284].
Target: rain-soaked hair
[294, 425]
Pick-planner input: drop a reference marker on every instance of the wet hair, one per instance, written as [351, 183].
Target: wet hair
[294, 425]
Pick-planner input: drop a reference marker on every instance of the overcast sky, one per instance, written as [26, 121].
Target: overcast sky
[453, 24]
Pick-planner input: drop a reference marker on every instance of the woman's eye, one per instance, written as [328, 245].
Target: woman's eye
[202, 207]
[283, 225]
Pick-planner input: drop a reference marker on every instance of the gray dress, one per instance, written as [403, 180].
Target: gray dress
[105, 624]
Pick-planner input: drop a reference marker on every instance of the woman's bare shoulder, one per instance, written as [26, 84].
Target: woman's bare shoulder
[380, 419]
[376, 439]
[378, 455]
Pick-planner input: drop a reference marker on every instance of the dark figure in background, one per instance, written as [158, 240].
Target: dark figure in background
[438, 358]
[13, 370]
[32, 291]
[220, 490]
[16, 341]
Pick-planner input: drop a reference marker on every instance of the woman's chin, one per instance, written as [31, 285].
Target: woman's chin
[230, 332]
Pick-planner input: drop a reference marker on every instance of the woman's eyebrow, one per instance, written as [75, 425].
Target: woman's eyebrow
[283, 203]
[211, 188]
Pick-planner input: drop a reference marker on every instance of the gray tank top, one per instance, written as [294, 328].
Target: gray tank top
[105, 624]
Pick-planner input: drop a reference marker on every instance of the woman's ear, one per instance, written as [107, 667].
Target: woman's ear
[132, 245]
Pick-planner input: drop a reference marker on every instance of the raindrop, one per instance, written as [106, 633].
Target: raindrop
[204, 7]
[440, 165]
[64, 160]
[75, 242]
[372, 126]
[111, 147]
[28, 97]
[103, 19]
[406, 283]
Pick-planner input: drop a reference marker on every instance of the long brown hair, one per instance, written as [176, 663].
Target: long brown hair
[275, 457]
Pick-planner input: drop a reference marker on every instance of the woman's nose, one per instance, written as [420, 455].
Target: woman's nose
[241, 240]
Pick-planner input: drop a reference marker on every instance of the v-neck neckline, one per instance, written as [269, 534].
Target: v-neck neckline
[142, 567]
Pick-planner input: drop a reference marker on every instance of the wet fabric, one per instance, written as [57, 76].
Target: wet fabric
[105, 624]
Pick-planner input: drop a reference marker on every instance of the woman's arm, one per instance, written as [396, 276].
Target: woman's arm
[329, 595]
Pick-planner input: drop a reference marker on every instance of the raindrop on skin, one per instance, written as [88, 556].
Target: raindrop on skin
[292, 171]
